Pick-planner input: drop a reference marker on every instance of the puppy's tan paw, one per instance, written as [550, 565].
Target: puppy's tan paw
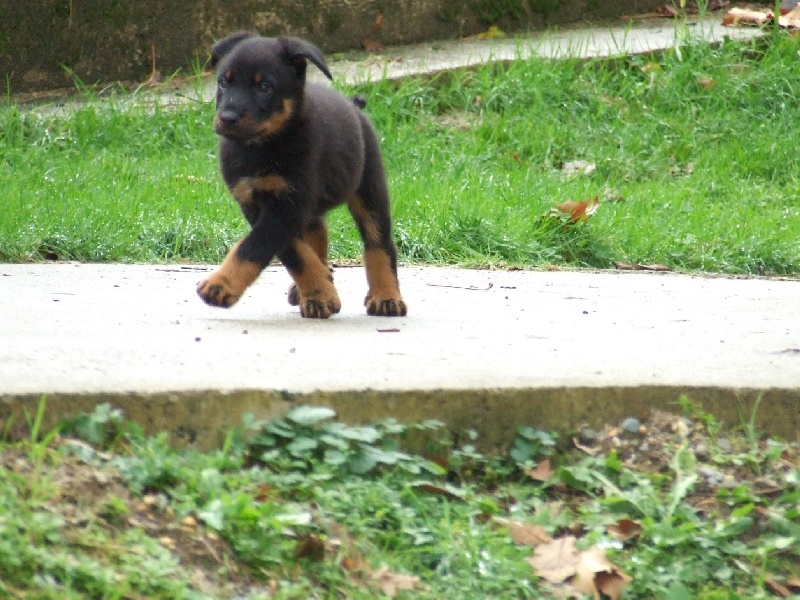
[378, 306]
[320, 305]
[218, 291]
[293, 295]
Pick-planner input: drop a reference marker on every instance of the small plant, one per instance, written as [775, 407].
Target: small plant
[306, 439]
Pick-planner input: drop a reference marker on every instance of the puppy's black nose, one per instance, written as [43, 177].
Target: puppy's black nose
[229, 117]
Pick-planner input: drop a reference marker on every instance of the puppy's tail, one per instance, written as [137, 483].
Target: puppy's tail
[360, 101]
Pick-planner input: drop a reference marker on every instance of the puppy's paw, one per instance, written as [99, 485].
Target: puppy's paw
[293, 296]
[319, 305]
[218, 291]
[378, 306]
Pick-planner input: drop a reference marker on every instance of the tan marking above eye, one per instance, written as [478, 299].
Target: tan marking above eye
[257, 78]
[228, 75]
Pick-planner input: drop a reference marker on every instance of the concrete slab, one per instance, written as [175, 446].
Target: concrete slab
[553, 348]
[575, 42]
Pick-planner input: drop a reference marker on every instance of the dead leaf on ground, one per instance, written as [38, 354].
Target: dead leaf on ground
[583, 448]
[377, 24]
[596, 575]
[371, 45]
[624, 266]
[624, 530]
[391, 583]
[541, 472]
[705, 81]
[670, 11]
[736, 17]
[555, 561]
[589, 572]
[494, 32]
[784, 589]
[572, 168]
[577, 212]
[525, 534]
[744, 16]
[446, 491]
[310, 547]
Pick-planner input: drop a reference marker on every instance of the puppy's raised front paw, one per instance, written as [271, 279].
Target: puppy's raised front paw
[218, 291]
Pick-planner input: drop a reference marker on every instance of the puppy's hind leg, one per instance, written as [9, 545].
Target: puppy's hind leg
[316, 237]
[313, 284]
[371, 212]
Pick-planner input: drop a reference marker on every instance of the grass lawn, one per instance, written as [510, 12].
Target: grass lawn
[306, 507]
[690, 153]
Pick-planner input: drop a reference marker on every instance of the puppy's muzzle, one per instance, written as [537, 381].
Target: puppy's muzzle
[229, 117]
[235, 124]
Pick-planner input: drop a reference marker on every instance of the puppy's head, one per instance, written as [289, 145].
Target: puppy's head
[260, 83]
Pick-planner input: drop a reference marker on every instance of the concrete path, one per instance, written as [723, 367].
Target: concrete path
[552, 347]
[487, 350]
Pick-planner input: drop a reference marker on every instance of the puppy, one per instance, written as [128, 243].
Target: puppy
[290, 151]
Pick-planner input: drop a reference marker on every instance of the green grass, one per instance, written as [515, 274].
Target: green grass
[694, 155]
[307, 507]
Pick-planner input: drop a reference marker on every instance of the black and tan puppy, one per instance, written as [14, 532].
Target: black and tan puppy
[289, 152]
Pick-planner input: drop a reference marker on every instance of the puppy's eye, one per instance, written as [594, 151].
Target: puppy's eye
[223, 83]
[264, 87]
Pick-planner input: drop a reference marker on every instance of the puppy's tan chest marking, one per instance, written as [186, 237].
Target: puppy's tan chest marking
[244, 189]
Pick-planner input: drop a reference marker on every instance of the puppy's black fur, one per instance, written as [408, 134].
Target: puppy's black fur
[289, 152]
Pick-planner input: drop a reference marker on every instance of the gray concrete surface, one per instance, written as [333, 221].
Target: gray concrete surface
[136, 331]
[585, 42]
[481, 349]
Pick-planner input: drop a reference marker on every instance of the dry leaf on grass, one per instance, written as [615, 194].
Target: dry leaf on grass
[431, 488]
[597, 575]
[555, 561]
[576, 212]
[391, 583]
[525, 534]
[745, 16]
[624, 530]
[577, 167]
[624, 266]
[588, 572]
[310, 547]
[371, 45]
[541, 472]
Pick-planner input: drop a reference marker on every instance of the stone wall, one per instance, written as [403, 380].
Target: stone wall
[44, 42]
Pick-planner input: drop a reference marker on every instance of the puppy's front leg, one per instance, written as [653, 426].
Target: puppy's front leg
[226, 285]
[245, 261]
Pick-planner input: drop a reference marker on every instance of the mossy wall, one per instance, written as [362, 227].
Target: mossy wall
[43, 41]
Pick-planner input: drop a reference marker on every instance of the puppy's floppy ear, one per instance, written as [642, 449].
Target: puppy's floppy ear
[226, 44]
[297, 51]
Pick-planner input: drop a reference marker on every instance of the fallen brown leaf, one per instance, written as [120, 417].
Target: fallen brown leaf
[371, 45]
[555, 561]
[310, 547]
[624, 266]
[624, 530]
[377, 25]
[588, 450]
[578, 212]
[432, 488]
[525, 534]
[743, 16]
[542, 472]
[596, 575]
[776, 587]
[572, 168]
[705, 81]
[391, 583]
